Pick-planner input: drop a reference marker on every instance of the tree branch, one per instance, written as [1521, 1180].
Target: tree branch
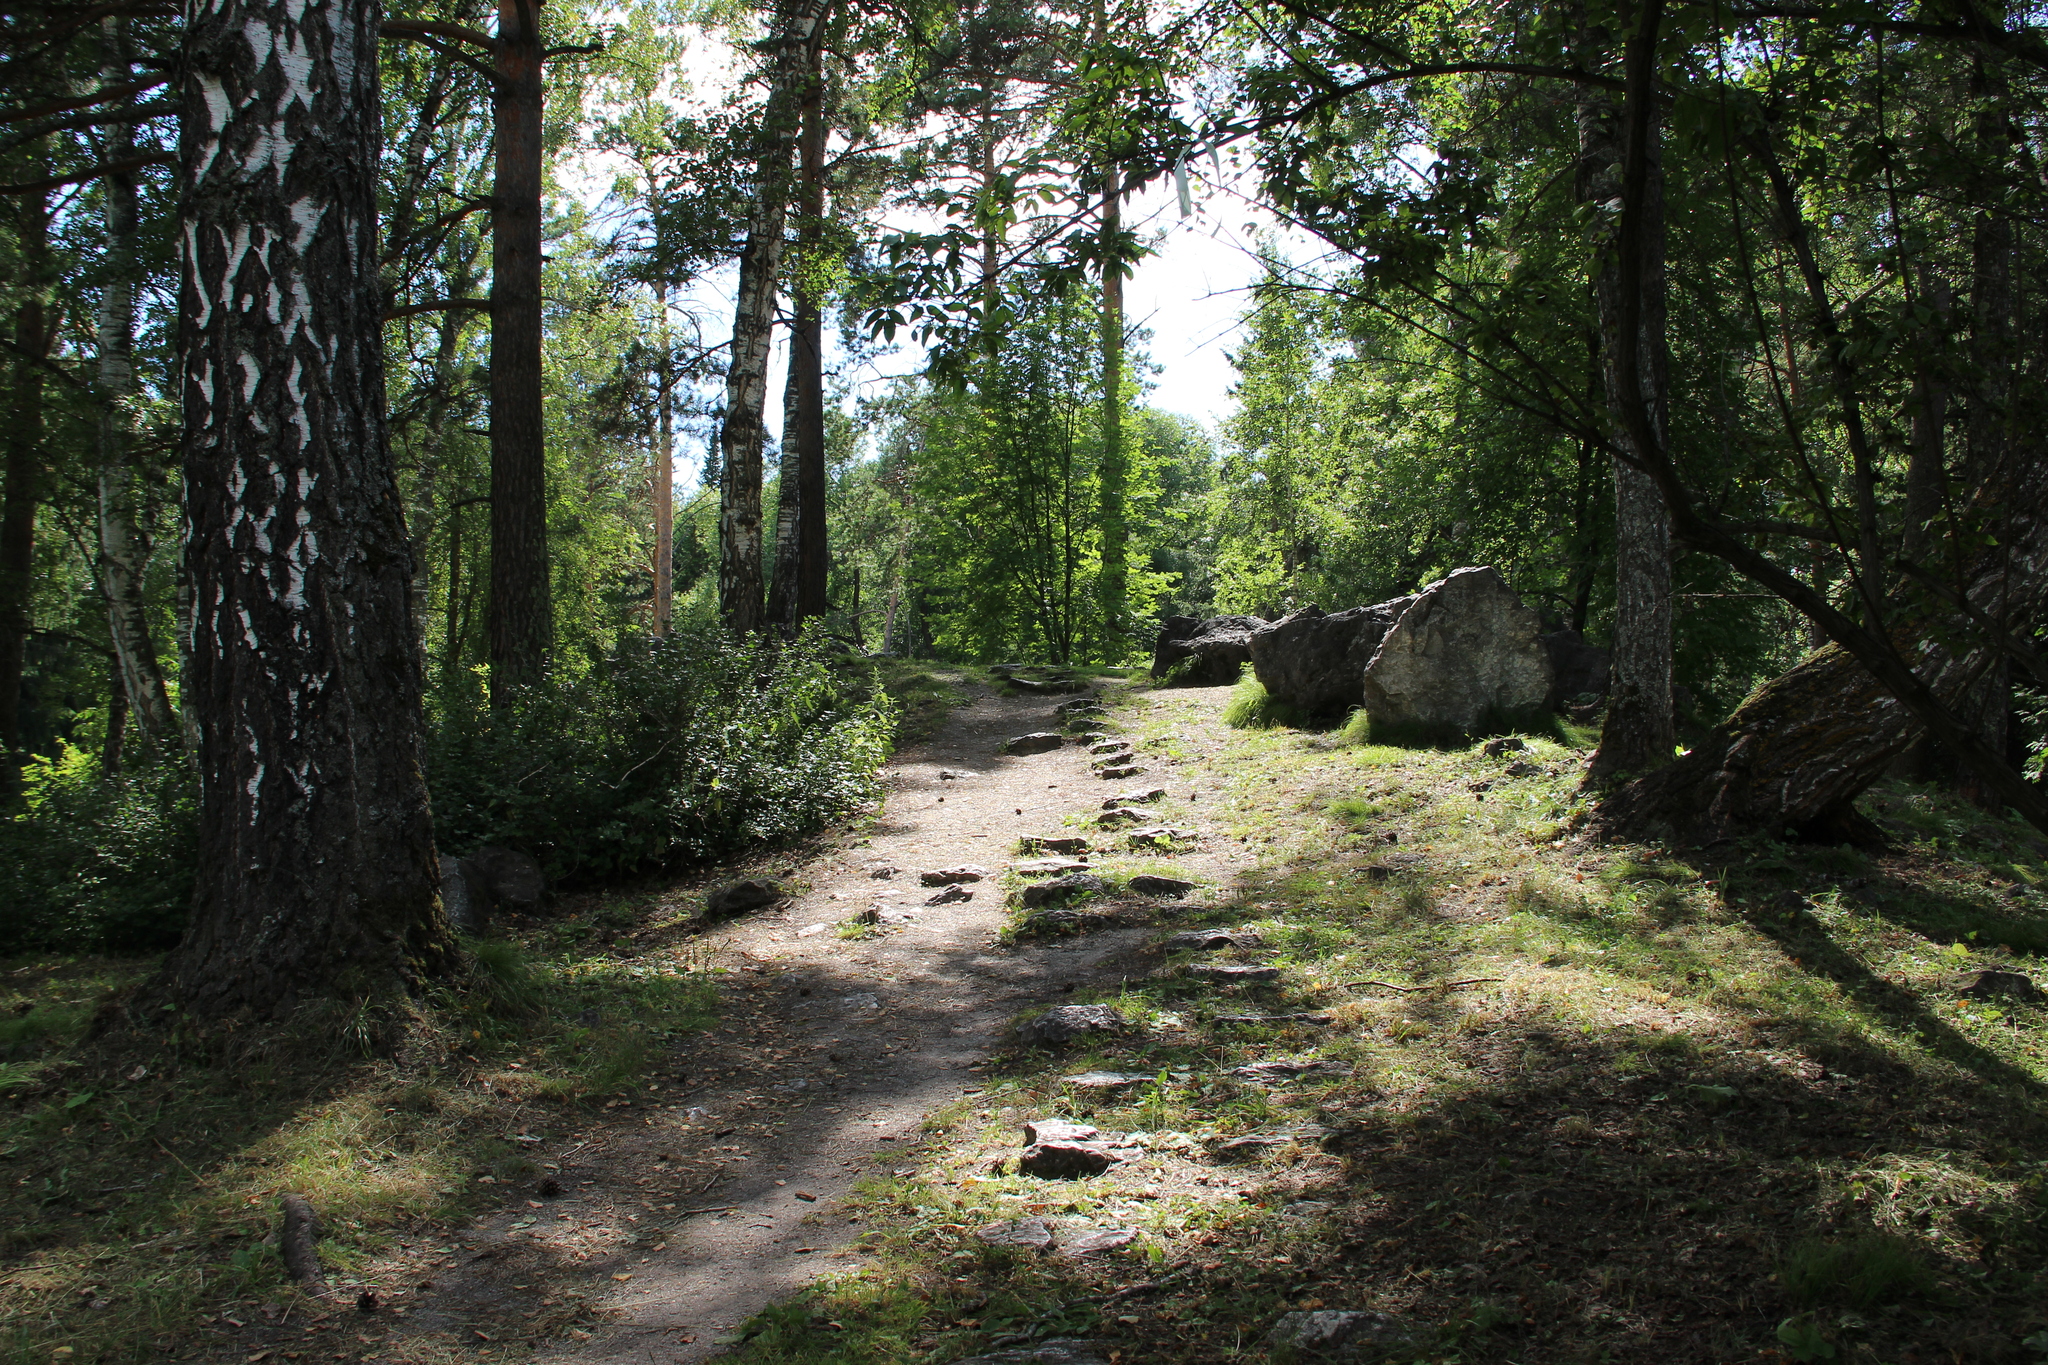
[435, 306]
[460, 33]
[396, 28]
[140, 113]
[100, 96]
[58, 182]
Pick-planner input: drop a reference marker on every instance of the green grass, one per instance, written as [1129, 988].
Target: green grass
[1251, 707]
[1866, 1272]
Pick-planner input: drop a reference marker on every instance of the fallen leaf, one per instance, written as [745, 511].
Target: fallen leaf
[623, 1275]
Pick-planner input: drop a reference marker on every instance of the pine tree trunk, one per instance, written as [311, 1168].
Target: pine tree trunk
[317, 871]
[1639, 733]
[663, 477]
[798, 589]
[26, 463]
[125, 549]
[521, 608]
[740, 599]
[1115, 467]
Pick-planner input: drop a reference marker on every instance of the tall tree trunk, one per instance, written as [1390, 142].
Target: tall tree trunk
[1115, 581]
[125, 548]
[521, 610]
[662, 476]
[1640, 732]
[746, 382]
[26, 463]
[317, 875]
[798, 589]
[113, 742]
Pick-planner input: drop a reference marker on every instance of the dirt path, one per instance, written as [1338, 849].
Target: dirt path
[832, 1051]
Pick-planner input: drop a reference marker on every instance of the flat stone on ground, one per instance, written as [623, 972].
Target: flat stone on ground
[1030, 1234]
[1037, 742]
[1152, 884]
[1064, 1023]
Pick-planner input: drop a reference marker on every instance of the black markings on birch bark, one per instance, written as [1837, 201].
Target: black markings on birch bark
[317, 870]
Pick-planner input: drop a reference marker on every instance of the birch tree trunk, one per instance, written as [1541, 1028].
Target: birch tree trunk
[1640, 732]
[317, 871]
[125, 549]
[1114, 583]
[740, 585]
[521, 604]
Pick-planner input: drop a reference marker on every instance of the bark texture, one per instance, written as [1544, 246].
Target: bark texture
[26, 462]
[521, 606]
[1640, 731]
[317, 869]
[740, 586]
[662, 478]
[1798, 752]
[1115, 466]
[798, 589]
[125, 548]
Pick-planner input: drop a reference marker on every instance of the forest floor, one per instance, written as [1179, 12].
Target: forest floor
[1538, 1099]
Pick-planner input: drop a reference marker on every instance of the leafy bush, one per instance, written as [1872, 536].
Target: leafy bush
[669, 750]
[88, 862]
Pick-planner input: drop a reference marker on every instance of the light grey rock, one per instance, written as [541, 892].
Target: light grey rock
[1230, 972]
[1080, 706]
[1119, 815]
[1160, 836]
[1096, 1241]
[1038, 742]
[736, 898]
[1110, 746]
[946, 876]
[1330, 1330]
[882, 871]
[1058, 1351]
[1291, 1071]
[1063, 888]
[1313, 660]
[1052, 843]
[1105, 1080]
[1464, 655]
[1133, 798]
[952, 895]
[1506, 744]
[1048, 867]
[1213, 940]
[1059, 1130]
[465, 899]
[1523, 768]
[1065, 1023]
[1026, 1234]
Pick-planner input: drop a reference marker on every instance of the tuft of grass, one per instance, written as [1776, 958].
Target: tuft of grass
[1864, 1272]
[1251, 707]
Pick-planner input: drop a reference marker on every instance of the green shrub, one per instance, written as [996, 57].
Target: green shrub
[1251, 707]
[91, 863]
[668, 751]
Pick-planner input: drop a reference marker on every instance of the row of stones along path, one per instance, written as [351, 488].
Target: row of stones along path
[831, 1051]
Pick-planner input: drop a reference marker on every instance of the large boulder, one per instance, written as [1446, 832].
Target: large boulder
[510, 880]
[1220, 648]
[1577, 668]
[1465, 656]
[1313, 659]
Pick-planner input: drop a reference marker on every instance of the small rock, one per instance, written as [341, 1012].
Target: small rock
[1060, 888]
[1046, 843]
[1105, 1080]
[1028, 1234]
[1159, 836]
[882, 871]
[1095, 1241]
[864, 1001]
[1151, 884]
[1085, 706]
[1287, 1071]
[735, 898]
[1228, 972]
[1038, 742]
[1213, 940]
[1059, 1130]
[1330, 1330]
[1506, 744]
[1043, 867]
[1065, 1160]
[1119, 815]
[1133, 798]
[812, 930]
[952, 895]
[1058, 1351]
[1523, 768]
[1064, 1023]
[1118, 774]
[1110, 746]
[953, 775]
[946, 876]
[2015, 985]
[512, 880]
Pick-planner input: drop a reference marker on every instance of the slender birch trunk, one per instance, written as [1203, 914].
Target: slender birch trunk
[317, 877]
[662, 477]
[125, 549]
